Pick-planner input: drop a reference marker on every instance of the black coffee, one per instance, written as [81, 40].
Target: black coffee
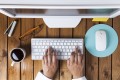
[17, 55]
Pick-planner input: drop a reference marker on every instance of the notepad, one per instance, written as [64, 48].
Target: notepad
[100, 19]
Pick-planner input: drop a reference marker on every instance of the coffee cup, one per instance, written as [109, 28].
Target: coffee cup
[17, 55]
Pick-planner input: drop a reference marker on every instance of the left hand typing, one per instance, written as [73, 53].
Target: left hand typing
[50, 63]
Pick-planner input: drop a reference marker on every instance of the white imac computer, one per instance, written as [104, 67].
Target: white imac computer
[60, 13]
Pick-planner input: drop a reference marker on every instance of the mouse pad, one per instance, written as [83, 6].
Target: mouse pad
[112, 40]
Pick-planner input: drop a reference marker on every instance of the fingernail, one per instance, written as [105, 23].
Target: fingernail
[50, 46]
[76, 47]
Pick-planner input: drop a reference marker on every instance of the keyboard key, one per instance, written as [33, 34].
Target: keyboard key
[41, 53]
[65, 57]
[36, 53]
[54, 43]
[41, 57]
[51, 44]
[37, 57]
[68, 43]
[65, 53]
[61, 43]
[59, 46]
[39, 46]
[65, 44]
[67, 50]
[64, 50]
[63, 47]
[70, 47]
[71, 50]
[69, 53]
[35, 50]
[46, 47]
[43, 43]
[33, 57]
[33, 43]
[71, 43]
[34, 46]
[75, 43]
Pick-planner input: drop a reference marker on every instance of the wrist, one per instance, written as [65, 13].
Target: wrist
[48, 75]
[77, 76]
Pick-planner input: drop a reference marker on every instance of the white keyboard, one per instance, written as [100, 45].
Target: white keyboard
[64, 47]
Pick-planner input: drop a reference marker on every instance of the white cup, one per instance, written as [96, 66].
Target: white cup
[16, 54]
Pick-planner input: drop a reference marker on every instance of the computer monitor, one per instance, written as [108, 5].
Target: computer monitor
[60, 13]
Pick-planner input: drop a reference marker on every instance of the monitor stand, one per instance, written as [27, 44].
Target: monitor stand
[62, 21]
[62, 18]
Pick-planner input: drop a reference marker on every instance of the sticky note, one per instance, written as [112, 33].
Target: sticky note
[100, 19]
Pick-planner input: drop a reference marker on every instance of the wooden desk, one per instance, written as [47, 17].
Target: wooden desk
[96, 68]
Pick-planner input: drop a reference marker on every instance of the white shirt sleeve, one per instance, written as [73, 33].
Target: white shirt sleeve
[82, 78]
[40, 76]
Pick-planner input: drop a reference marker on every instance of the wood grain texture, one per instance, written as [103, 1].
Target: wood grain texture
[41, 34]
[13, 42]
[54, 33]
[64, 72]
[79, 32]
[105, 63]
[3, 48]
[91, 61]
[116, 54]
[96, 69]
[27, 64]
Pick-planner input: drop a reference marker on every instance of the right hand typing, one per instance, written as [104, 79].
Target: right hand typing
[75, 64]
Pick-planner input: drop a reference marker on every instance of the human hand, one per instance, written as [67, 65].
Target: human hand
[50, 63]
[75, 64]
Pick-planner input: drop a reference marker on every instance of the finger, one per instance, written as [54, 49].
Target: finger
[83, 62]
[43, 61]
[45, 57]
[76, 49]
[68, 62]
[79, 54]
[46, 51]
[49, 59]
[54, 58]
[79, 59]
[49, 55]
[46, 60]
[76, 58]
[72, 58]
[50, 50]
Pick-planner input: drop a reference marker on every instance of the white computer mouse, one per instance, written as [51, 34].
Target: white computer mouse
[100, 40]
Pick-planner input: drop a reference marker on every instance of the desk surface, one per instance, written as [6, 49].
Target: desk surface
[95, 68]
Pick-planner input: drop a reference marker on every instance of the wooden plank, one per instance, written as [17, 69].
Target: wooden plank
[3, 48]
[79, 32]
[41, 34]
[116, 54]
[64, 72]
[27, 64]
[54, 33]
[105, 69]
[91, 61]
[13, 42]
